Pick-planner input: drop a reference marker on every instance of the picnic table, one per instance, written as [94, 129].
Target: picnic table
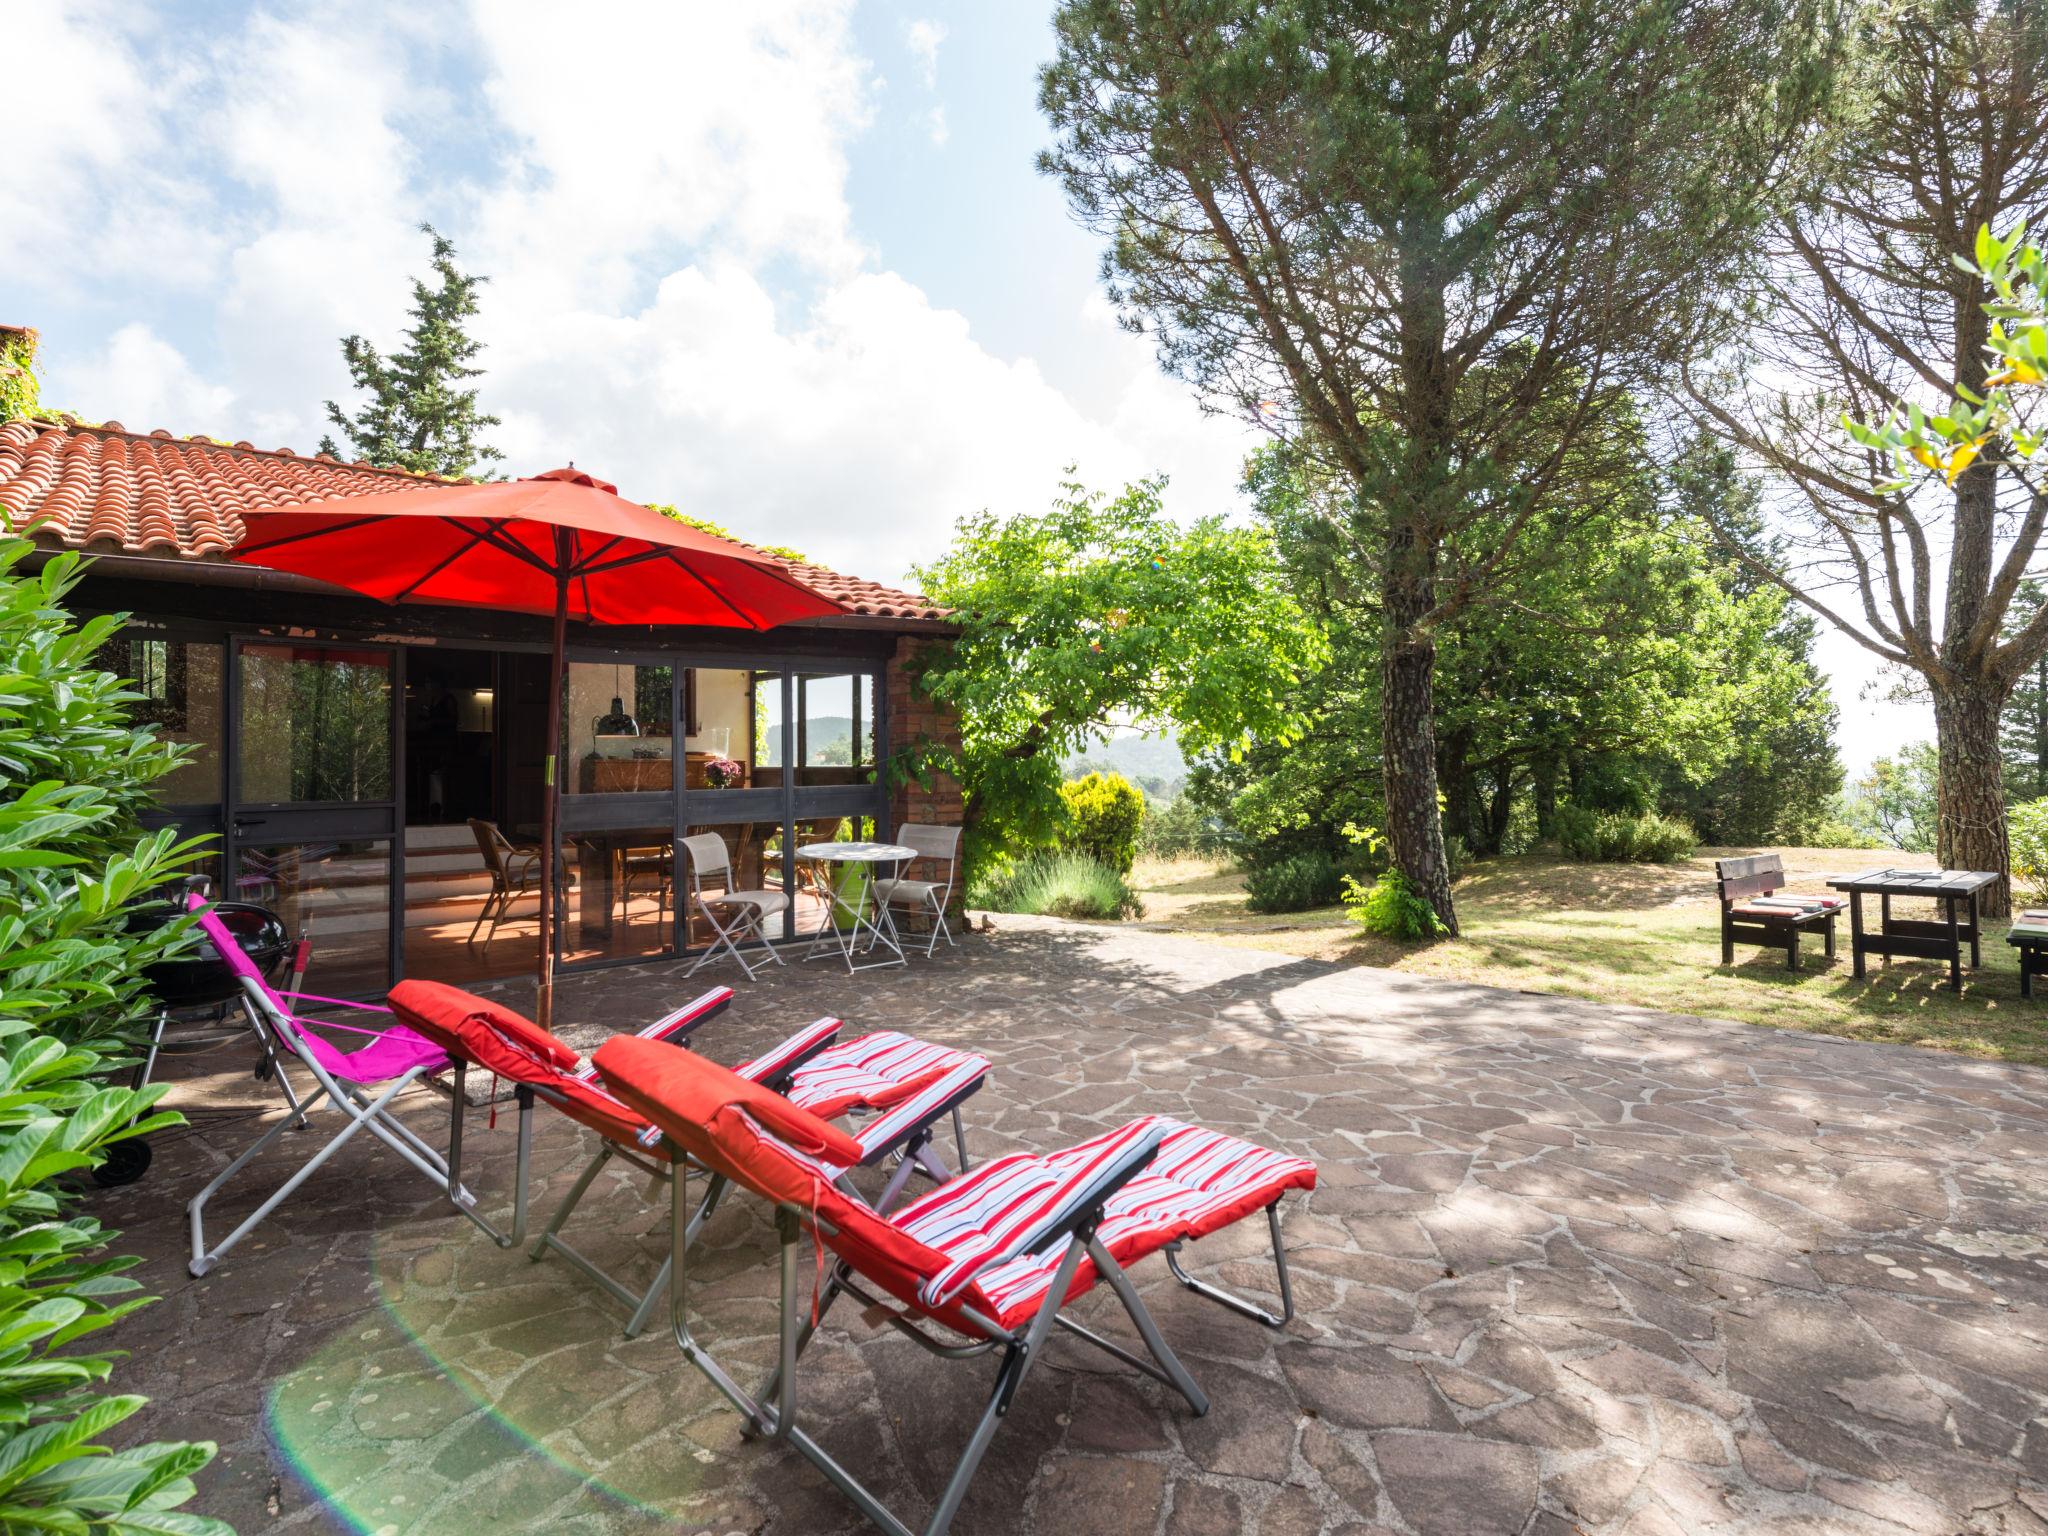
[1936, 939]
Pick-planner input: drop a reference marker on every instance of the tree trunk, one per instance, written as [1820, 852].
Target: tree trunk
[1500, 809]
[1415, 834]
[1970, 801]
[1543, 791]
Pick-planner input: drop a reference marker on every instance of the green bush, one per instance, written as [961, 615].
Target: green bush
[1102, 815]
[1622, 837]
[1832, 832]
[1294, 884]
[73, 862]
[1392, 908]
[1061, 885]
[2027, 827]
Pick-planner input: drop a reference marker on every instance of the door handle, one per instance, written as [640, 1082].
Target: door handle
[250, 821]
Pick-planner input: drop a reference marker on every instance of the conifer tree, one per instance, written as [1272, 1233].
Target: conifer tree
[422, 413]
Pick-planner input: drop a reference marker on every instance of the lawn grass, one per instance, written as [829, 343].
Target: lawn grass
[1648, 935]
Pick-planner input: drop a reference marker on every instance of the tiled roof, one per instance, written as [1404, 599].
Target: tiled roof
[106, 489]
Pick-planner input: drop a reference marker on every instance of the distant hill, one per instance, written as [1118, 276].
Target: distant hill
[1152, 762]
[830, 734]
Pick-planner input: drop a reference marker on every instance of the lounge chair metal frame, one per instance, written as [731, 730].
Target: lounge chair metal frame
[905, 1133]
[363, 1112]
[772, 1414]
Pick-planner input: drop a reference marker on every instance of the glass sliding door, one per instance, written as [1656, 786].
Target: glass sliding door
[734, 757]
[182, 692]
[313, 802]
[832, 751]
[618, 808]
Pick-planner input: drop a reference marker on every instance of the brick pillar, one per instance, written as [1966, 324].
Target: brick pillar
[914, 716]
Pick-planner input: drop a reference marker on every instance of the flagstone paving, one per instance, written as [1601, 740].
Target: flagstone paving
[1569, 1269]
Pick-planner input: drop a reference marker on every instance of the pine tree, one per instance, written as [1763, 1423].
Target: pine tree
[419, 417]
[1441, 243]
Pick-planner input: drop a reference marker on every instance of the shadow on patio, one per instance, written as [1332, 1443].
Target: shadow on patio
[1569, 1267]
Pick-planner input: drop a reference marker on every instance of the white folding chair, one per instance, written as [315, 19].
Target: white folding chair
[747, 911]
[939, 845]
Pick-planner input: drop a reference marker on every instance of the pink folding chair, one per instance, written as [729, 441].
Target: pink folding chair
[361, 1084]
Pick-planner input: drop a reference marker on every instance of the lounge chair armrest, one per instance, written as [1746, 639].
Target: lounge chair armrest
[676, 1026]
[1086, 1203]
[916, 1114]
[1081, 1207]
[679, 1024]
[772, 1069]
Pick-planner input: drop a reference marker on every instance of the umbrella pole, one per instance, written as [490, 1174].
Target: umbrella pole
[550, 837]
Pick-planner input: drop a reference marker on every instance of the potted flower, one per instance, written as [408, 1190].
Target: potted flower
[724, 773]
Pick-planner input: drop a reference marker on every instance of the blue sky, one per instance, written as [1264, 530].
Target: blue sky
[788, 264]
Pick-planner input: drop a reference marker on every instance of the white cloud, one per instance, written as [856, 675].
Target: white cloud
[922, 37]
[679, 296]
[935, 126]
[857, 434]
[719, 127]
[143, 382]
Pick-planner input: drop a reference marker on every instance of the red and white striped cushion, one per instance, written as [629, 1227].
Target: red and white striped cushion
[875, 1071]
[770, 1062]
[1200, 1182]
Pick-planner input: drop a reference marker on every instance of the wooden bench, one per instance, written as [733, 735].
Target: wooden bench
[2029, 935]
[1739, 882]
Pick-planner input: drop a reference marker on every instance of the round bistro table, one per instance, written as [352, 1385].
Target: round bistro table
[864, 913]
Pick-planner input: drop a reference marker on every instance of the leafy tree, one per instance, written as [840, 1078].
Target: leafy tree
[1871, 292]
[1896, 800]
[19, 393]
[73, 864]
[422, 415]
[1782, 776]
[1631, 670]
[2023, 732]
[1103, 611]
[1439, 243]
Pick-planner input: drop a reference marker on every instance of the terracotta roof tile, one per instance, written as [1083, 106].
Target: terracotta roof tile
[105, 488]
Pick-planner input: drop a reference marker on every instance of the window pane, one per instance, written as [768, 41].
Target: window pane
[835, 729]
[734, 728]
[339, 896]
[621, 899]
[619, 727]
[179, 681]
[316, 724]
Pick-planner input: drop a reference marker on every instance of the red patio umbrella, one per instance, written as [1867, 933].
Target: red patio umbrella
[564, 543]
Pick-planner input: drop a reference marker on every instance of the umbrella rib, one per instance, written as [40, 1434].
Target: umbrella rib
[744, 618]
[590, 561]
[476, 537]
[596, 568]
[498, 540]
[299, 535]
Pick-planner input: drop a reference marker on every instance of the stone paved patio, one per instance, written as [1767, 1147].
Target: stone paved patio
[1570, 1269]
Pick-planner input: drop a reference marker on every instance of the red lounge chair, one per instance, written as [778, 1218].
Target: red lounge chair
[992, 1256]
[907, 1085]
